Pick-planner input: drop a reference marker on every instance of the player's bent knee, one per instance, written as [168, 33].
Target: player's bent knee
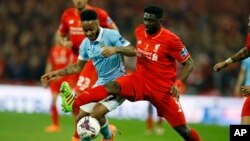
[81, 115]
[112, 87]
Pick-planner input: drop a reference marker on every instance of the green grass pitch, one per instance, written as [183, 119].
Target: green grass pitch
[30, 127]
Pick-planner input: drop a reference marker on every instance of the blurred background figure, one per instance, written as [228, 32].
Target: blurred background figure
[59, 57]
[243, 77]
[151, 127]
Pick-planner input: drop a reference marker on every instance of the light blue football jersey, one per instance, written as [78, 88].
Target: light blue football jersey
[246, 67]
[108, 68]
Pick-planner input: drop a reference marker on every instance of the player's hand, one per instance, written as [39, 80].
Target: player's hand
[174, 90]
[245, 90]
[68, 44]
[108, 51]
[219, 66]
[46, 78]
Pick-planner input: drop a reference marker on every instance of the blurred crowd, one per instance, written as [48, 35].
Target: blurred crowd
[211, 30]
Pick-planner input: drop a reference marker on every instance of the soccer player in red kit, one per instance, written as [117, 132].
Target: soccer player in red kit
[245, 90]
[59, 57]
[70, 26]
[154, 80]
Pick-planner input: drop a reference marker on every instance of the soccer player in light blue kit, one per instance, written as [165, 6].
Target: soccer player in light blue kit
[105, 47]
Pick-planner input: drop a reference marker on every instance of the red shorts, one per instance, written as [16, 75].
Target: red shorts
[246, 108]
[136, 87]
[87, 77]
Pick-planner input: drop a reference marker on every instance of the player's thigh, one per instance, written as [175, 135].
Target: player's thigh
[88, 108]
[112, 102]
[132, 87]
[169, 108]
[81, 115]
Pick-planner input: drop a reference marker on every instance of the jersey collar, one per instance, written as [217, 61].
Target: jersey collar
[98, 39]
[154, 36]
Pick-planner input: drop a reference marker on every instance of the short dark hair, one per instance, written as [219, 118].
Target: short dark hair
[154, 9]
[88, 15]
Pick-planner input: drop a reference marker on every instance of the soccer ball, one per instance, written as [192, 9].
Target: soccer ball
[88, 128]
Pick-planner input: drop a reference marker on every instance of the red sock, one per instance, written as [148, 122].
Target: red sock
[194, 135]
[150, 123]
[54, 115]
[92, 95]
[160, 121]
[75, 132]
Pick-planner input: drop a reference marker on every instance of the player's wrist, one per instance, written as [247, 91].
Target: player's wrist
[178, 83]
[228, 61]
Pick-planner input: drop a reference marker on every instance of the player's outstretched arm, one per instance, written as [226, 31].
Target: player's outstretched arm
[240, 55]
[72, 69]
[127, 51]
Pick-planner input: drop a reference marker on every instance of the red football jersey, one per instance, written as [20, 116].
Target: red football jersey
[156, 56]
[60, 57]
[71, 24]
[248, 41]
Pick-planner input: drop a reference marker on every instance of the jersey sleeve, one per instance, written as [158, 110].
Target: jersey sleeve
[104, 18]
[83, 51]
[177, 50]
[63, 26]
[117, 39]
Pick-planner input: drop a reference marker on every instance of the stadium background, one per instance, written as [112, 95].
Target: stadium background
[211, 30]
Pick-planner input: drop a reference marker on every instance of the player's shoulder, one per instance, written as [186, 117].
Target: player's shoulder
[108, 31]
[69, 11]
[140, 29]
[98, 10]
[169, 34]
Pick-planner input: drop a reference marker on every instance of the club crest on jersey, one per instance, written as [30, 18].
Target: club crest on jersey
[139, 42]
[157, 46]
[146, 47]
[184, 52]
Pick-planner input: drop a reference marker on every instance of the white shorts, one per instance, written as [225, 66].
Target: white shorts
[111, 103]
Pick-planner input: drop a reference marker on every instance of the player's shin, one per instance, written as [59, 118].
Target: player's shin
[194, 136]
[105, 131]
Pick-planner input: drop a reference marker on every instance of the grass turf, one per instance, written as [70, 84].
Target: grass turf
[30, 127]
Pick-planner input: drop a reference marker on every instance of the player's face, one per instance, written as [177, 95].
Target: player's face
[91, 29]
[80, 4]
[151, 23]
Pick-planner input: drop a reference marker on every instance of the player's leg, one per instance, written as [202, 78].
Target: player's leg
[159, 129]
[149, 120]
[54, 116]
[98, 111]
[86, 79]
[245, 113]
[98, 93]
[172, 111]
[54, 87]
